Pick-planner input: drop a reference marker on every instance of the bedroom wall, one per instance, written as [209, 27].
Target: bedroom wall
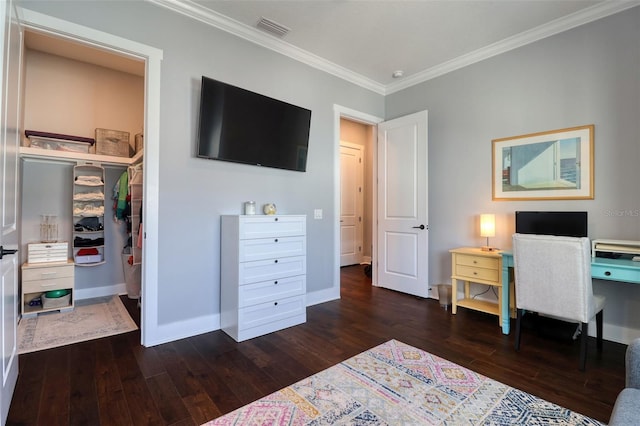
[587, 75]
[195, 192]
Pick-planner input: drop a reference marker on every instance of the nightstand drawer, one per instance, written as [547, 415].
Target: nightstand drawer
[475, 273]
[477, 261]
[41, 286]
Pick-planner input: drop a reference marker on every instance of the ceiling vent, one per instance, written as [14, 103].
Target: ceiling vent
[272, 27]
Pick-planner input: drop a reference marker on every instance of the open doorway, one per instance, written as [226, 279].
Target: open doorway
[357, 144]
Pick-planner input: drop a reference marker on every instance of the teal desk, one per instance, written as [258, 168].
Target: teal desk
[621, 270]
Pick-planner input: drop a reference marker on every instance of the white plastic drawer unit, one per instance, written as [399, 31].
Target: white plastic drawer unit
[272, 226]
[269, 248]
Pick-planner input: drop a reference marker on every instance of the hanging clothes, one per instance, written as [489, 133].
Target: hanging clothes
[121, 192]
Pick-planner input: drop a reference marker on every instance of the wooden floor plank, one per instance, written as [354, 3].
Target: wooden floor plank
[115, 381]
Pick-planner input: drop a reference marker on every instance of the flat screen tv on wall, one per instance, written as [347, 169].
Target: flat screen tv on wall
[245, 127]
[562, 223]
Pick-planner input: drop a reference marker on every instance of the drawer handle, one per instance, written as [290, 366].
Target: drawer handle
[607, 273]
[48, 274]
[275, 282]
[475, 273]
[276, 240]
[275, 303]
[49, 285]
[275, 261]
[276, 219]
[475, 261]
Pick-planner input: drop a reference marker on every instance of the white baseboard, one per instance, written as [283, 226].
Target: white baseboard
[182, 329]
[321, 296]
[109, 290]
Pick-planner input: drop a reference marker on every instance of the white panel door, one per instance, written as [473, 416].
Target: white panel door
[402, 256]
[10, 54]
[351, 203]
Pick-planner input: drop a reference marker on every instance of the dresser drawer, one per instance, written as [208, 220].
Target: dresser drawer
[475, 273]
[272, 226]
[47, 273]
[268, 291]
[270, 248]
[477, 261]
[259, 315]
[41, 286]
[264, 270]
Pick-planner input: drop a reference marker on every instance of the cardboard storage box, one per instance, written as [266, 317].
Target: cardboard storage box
[112, 142]
[47, 252]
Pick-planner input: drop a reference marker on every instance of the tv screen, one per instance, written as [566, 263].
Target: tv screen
[245, 127]
[567, 223]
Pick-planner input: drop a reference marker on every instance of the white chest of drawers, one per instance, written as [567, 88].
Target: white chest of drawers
[263, 274]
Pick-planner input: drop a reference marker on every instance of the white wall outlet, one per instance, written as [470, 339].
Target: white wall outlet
[317, 214]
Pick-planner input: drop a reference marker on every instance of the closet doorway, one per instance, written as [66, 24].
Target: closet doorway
[88, 43]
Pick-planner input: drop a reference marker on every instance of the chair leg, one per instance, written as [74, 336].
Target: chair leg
[583, 345]
[599, 318]
[520, 312]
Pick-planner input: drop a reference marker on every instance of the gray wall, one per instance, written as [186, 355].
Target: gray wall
[195, 192]
[588, 75]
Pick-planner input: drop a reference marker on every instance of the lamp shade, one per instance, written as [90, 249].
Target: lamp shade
[487, 225]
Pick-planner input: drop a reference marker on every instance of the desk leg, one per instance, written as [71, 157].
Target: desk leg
[506, 316]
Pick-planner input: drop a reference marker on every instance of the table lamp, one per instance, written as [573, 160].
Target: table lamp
[487, 229]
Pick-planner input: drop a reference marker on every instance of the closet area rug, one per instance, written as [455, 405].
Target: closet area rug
[90, 319]
[397, 384]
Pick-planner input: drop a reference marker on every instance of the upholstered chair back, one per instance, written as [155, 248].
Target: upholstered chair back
[553, 276]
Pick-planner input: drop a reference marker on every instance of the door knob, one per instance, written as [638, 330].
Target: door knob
[418, 227]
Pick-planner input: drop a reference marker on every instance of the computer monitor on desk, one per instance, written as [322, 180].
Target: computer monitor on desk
[562, 223]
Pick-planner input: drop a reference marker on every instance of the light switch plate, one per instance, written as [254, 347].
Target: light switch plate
[317, 214]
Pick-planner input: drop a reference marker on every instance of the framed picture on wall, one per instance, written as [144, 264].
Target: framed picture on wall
[556, 164]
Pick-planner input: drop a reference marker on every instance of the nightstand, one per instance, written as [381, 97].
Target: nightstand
[472, 265]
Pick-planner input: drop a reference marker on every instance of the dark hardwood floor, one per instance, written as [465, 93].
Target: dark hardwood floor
[115, 381]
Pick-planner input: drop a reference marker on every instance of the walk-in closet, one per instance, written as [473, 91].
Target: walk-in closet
[80, 183]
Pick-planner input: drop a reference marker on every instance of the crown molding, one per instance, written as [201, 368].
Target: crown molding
[195, 11]
[554, 27]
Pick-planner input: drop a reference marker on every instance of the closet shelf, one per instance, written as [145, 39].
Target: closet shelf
[29, 153]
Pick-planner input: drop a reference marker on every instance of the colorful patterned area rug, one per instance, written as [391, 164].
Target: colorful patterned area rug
[397, 384]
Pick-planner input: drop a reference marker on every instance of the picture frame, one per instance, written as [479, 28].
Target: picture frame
[551, 165]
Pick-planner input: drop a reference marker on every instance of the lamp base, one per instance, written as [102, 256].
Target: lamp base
[487, 248]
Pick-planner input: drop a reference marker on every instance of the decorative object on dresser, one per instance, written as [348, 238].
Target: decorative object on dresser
[263, 274]
[473, 265]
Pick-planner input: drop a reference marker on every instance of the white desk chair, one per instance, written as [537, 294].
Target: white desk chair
[553, 277]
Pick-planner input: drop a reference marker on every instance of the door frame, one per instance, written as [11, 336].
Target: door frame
[31, 20]
[368, 119]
